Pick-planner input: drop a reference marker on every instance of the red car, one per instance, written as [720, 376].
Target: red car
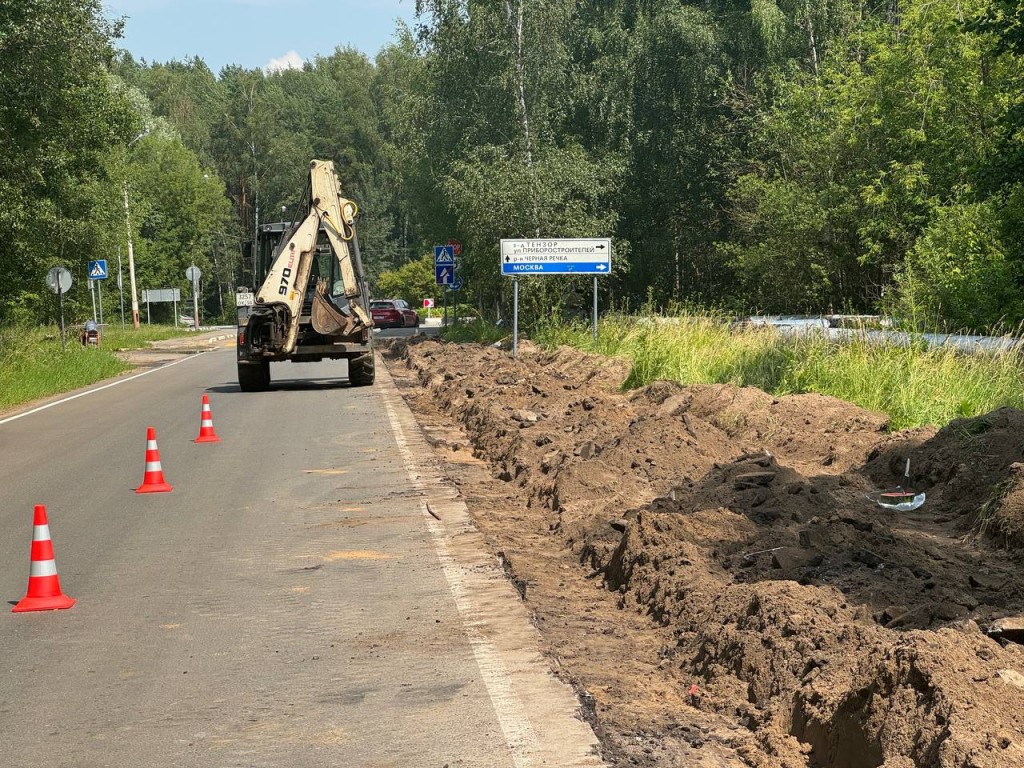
[393, 313]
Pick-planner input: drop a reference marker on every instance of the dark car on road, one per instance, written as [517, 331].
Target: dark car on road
[393, 313]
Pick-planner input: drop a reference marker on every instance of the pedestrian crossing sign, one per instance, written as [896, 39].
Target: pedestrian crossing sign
[98, 269]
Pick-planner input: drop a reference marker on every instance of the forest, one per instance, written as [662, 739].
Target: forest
[780, 156]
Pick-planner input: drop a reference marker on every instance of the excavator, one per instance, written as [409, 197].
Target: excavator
[313, 302]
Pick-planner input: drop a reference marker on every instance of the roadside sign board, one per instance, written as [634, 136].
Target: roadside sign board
[158, 295]
[58, 280]
[577, 256]
[456, 284]
[444, 274]
[98, 269]
[444, 255]
[428, 303]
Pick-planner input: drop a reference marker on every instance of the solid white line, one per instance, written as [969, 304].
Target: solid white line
[100, 389]
[512, 719]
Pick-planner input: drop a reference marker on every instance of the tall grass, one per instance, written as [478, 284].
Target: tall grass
[912, 384]
[130, 338]
[32, 364]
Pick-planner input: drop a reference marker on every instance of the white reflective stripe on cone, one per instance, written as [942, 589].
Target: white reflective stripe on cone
[40, 533]
[43, 568]
[153, 466]
[151, 445]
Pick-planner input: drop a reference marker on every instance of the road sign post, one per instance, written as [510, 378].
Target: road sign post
[444, 272]
[97, 271]
[553, 256]
[58, 280]
[515, 317]
[193, 273]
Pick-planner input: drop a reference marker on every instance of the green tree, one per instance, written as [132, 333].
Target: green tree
[413, 281]
[180, 208]
[61, 116]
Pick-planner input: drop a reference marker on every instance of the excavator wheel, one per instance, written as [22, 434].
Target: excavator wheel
[253, 377]
[361, 370]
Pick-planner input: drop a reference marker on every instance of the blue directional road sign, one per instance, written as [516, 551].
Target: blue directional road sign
[579, 256]
[456, 284]
[98, 269]
[444, 274]
[444, 255]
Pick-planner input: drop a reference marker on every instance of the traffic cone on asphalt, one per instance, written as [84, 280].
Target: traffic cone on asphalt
[43, 585]
[153, 481]
[206, 433]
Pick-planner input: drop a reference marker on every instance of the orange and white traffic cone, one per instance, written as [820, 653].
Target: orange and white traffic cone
[43, 585]
[153, 480]
[206, 433]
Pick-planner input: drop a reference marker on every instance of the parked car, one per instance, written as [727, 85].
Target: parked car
[393, 313]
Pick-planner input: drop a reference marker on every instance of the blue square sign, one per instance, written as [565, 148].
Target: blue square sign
[97, 269]
[444, 274]
[444, 254]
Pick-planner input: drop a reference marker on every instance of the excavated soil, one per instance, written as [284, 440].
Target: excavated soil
[707, 569]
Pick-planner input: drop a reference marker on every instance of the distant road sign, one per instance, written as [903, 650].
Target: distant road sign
[444, 254]
[98, 269]
[444, 274]
[158, 295]
[456, 284]
[193, 273]
[58, 280]
[578, 256]
[456, 247]
[428, 303]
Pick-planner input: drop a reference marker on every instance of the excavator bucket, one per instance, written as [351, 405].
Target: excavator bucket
[327, 317]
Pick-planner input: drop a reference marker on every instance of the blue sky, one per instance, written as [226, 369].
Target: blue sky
[255, 33]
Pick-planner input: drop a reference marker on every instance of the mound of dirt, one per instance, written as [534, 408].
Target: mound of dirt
[709, 568]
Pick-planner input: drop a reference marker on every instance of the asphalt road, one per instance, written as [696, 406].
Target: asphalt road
[290, 603]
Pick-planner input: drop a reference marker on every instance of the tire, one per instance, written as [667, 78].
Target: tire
[361, 370]
[253, 377]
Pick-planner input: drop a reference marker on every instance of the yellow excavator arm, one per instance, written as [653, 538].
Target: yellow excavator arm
[285, 288]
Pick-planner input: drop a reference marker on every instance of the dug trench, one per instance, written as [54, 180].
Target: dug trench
[707, 569]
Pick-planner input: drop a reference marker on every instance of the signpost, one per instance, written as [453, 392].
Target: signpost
[578, 256]
[58, 280]
[193, 273]
[165, 295]
[553, 256]
[444, 270]
[97, 271]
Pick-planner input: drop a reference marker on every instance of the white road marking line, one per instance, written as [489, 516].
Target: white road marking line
[515, 725]
[100, 389]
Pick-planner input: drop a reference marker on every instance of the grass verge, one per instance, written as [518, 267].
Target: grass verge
[32, 364]
[912, 384]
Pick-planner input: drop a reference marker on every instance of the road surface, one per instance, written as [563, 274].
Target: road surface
[310, 594]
